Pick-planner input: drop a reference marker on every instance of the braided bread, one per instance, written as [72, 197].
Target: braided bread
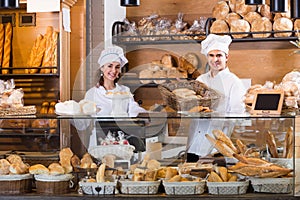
[7, 48]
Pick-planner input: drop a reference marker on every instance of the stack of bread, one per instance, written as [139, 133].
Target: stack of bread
[247, 165]
[290, 84]
[170, 67]
[43, 55]
[234, 16]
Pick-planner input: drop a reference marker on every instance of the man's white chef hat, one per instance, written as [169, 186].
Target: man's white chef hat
[215, 42]
[112, 54]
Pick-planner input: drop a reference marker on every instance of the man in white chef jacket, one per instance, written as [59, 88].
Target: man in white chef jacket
[231, 90]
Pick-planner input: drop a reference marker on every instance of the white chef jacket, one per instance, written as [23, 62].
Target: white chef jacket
[232, 91]
[98, 95]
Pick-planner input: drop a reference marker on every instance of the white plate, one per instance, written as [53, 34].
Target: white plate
[53, 178]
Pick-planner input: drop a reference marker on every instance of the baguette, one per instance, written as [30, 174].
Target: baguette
[289, 143]
[48, 51]
[220, 135]
[220, 146]
[242, 148]
[7, 48]
[272, 144]
[100, 176]
[1, 42]
[36, 54]
[223, 173]
[54, 54]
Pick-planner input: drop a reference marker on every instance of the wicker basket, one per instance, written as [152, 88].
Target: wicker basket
[139, 187]
[272, 185]
[98, 188]
[50, 184]
[124, 152]
[184, 188]
[209, 96]
[228, 188]
[15, 184]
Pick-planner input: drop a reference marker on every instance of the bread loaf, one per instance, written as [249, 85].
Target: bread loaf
[251, 16]
[54, 54]
[100, 176]
[14, 159]
[239, 25]
[38, 169]
[86, 161]
[297, 27]
[232, 16]
[4, 167]
[264, 10]
[219, 26]
[36, 54]
[262, 24]
[243, 9]
[48, 51]
[283, 24]
[19, 168]
[56, 169]
[1, 42]
[7, 48]
[220, 10]
[65, 156]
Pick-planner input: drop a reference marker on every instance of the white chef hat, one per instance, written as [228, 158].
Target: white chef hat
[215, 42]
[112, 54]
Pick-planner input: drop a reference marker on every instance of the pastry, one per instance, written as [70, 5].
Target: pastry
[7, 48]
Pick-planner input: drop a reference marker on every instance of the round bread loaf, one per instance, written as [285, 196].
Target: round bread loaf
[220, 10]
[231, 4]
[219, 26]
[283, 24]
[144, 74]
[251, 16]
[243, 9]
[160, 74]
[240, 25]
[265, 11]
[297, 27]
[232, 16]
[260, 25]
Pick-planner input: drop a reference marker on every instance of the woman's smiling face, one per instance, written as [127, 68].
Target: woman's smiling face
[111, 71]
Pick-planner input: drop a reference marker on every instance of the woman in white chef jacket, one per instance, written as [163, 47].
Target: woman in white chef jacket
[231, 90]
[111, 61]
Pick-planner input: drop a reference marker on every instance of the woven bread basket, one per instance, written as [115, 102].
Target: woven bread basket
[209, 97]
[228, 188]
[121, 151]
[272, 185]
[184, 188]
[15, 184]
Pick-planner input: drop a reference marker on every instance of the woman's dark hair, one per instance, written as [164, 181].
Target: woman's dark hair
[100, 79]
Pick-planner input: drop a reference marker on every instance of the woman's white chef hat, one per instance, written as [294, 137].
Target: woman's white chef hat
[215, 42]
[112, 54]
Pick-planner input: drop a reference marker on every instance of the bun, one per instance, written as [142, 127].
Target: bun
[19, 168]
[56, 169]
[4, 167]
[65, 156]
[14, 159]
[38, 169]
[7, 48]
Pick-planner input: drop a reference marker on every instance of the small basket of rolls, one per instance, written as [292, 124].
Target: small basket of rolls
[144, 179]
[222, 182]
[57, 177]
[185, 95]
[180, 184]
[14, 176]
